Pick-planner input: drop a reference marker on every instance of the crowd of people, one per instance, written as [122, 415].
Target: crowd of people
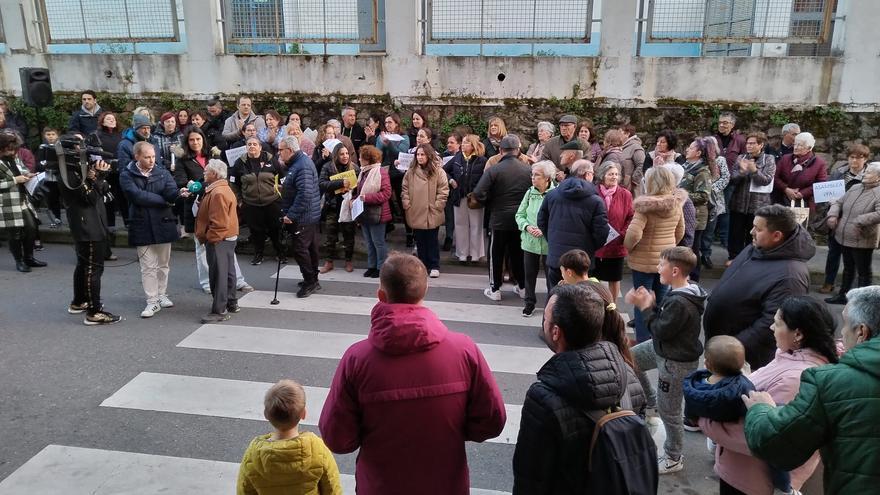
[578, 204]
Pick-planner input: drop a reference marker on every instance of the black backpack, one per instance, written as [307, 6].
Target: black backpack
[623, 456]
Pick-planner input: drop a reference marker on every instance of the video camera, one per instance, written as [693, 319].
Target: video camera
[73, 152]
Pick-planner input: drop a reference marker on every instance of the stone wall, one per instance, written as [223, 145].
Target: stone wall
[833, 127]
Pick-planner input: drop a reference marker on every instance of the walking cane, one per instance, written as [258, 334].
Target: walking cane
[283, 235]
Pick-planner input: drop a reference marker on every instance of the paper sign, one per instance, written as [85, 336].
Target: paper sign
[348, 174]
[612, 234]
[233, 154]
[394, 138]
[823, 192]
[446, 159]
[357, 207]
[761, 189]
[311, 134]
[33, 182]
[405, 160]
[330, 144]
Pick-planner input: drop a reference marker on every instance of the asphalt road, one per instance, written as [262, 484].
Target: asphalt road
[57, 372]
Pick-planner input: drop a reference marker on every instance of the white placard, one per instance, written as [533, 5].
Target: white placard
[311, 134]
[33, 182]
[761, 189]
[233, 154]
[404, 161]
[446, 159]
[357, 207]
[394, 138]
[330, 144]
[612, 234]
[831, 190]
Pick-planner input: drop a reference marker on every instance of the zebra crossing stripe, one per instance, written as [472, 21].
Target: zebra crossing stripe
[59, 469]
[220, 397]
[447, 280]
[331, 345]
[354, 305]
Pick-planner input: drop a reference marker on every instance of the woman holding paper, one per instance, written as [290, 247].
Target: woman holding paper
[608, 263]
[424, 193]
[855, 219]
[373, 192]
[751, 178]
[391, 144]
[324, 147]
[334, 186]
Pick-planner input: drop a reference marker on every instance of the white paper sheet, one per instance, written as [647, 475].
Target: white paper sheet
[330, 144]
[761, 189]
[831, 190]
[405, 160]
[357, 207]
[394, 138]
[33, 182]
[612, 234]
[233, 154]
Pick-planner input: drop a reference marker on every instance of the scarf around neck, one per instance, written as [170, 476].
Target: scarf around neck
[607, 195]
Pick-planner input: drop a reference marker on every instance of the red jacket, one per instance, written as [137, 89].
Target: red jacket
[619, 216]
[815, 170]
[380, 199]
[408, 397]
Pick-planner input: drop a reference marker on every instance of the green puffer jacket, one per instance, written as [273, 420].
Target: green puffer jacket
[527, 214]
[838, 410]
[697, 181]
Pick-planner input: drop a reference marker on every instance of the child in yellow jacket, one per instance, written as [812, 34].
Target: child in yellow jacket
[287, 461]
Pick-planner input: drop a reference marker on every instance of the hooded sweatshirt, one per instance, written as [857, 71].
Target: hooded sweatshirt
[752, 289]
[573, 216]
[409, 397]
[301, 465]
[675, 325]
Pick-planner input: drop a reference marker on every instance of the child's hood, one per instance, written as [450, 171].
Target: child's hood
[292, 460]
[692, 292]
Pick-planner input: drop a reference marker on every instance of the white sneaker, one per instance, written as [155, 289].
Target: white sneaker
[434, 273]
[710, 445]
[652, 417]
[246, 288]
[666, 465]
[494, 295]
[165, 302]
[520, 292]
[150, 310]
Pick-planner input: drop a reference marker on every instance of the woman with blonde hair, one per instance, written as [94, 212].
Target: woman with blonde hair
[658, 223]
[466, 168]
[495, 132]
[423, 197]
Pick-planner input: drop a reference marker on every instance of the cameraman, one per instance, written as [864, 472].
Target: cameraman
[87, 218]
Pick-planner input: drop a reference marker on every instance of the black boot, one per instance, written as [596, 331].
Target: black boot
[15, 247]
[34, 263]
[27, 251]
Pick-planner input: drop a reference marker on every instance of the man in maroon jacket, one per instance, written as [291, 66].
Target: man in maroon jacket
[411, 394]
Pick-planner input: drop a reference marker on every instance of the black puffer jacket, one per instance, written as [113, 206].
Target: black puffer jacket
[501, 189]
[555, 431]
[752, 289]
[466, 174]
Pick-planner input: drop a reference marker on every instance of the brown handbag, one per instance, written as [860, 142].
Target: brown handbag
[472, 202]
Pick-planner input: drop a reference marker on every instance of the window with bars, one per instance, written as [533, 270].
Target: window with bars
[282, 26]
[730, 26]
[110, 21]
[509, 21]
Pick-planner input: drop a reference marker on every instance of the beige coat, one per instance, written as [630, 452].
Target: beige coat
[859, 215]
[658, 224]
[424, 198]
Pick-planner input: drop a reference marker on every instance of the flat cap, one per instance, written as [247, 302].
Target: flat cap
[568, 119]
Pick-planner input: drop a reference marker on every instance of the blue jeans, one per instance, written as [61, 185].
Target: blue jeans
[708, 237]
[374, 238]
[650, 281]
[724, 219]
[832, 263]
[428, 248]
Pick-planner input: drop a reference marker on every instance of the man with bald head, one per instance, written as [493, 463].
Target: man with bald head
[411, 394]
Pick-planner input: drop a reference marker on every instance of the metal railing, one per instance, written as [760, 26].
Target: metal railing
[282, 25]
[739, 21]
[509, 21]
[109, 21]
